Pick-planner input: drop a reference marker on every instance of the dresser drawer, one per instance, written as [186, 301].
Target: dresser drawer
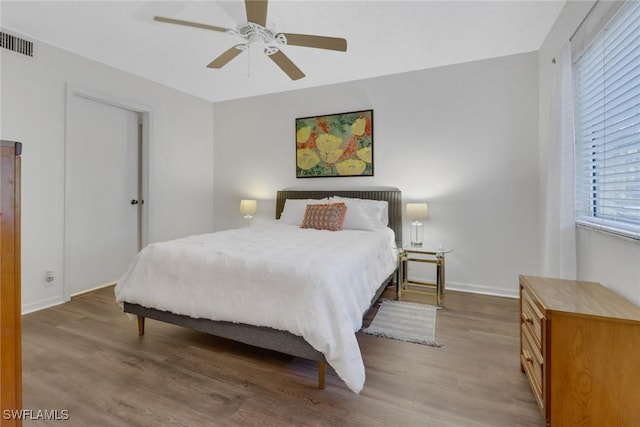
[532, 317]
[532, 361]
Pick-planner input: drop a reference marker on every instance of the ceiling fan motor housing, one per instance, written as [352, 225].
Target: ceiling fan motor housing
[256, 33]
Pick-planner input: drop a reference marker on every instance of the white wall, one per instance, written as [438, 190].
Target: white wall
[33, 112]
[610, 260]
[463, 137]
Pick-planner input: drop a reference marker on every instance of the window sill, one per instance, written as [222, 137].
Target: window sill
[611, 228]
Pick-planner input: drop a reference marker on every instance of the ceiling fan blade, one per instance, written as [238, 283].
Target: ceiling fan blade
[224, 59]
[286, 65]
[320, 42]
[257, 11]
[189, 24]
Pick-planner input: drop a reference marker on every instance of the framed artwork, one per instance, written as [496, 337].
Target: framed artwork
[335, 145]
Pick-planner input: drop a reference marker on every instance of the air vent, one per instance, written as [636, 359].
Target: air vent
[16, 44]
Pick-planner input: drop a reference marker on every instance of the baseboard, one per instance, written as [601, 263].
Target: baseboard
[478, 289]
[86, 291]
[482, 289]
[42, 304]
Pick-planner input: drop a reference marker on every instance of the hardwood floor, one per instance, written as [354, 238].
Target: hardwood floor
[85, 356]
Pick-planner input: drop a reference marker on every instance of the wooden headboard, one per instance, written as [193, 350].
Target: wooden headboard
[392, 195]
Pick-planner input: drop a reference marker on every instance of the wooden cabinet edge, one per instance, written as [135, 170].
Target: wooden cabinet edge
[10, 307]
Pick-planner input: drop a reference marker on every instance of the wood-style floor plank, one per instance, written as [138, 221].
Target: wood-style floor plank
[85, 356]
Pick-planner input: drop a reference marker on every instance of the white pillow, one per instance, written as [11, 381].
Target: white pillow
[358, 218]
[378, 209]
[293, 211]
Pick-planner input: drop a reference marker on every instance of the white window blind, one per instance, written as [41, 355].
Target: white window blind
[607, 121]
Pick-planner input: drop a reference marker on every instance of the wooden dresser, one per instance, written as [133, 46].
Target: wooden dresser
[580, 350]
[10, 303]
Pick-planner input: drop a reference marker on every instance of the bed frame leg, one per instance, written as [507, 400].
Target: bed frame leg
[322, 371]
[140, 326]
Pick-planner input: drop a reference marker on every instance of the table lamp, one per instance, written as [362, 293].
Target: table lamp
[248, 208]
[415, 213]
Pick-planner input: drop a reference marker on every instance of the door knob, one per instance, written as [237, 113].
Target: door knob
[134, 202]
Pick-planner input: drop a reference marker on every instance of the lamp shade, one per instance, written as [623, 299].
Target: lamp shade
[417, 211]
[248, 207]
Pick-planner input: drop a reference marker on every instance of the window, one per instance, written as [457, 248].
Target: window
[607, 126]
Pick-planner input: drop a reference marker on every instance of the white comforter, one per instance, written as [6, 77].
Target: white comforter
[316, 284]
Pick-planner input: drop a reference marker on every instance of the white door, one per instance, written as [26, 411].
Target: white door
[102, 182]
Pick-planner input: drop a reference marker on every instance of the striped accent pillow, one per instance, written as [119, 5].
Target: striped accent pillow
[329, 216]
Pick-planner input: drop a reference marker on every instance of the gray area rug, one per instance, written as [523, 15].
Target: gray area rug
[405, 321]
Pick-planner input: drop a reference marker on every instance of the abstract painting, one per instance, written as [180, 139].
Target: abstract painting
[335, 145]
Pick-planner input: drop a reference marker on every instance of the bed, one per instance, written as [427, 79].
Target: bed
[268, 331]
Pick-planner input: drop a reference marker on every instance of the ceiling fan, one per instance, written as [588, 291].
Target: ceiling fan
[255, 32]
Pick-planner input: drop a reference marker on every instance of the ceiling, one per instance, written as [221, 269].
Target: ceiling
[384, 37]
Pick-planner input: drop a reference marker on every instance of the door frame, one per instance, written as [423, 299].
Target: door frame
[143, 161]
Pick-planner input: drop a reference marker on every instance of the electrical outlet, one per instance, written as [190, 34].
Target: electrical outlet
[50, 278]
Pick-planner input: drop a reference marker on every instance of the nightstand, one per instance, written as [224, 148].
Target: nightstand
[427, 253]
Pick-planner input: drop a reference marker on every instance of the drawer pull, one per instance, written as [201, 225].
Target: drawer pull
[526, 318]
[526, 356]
